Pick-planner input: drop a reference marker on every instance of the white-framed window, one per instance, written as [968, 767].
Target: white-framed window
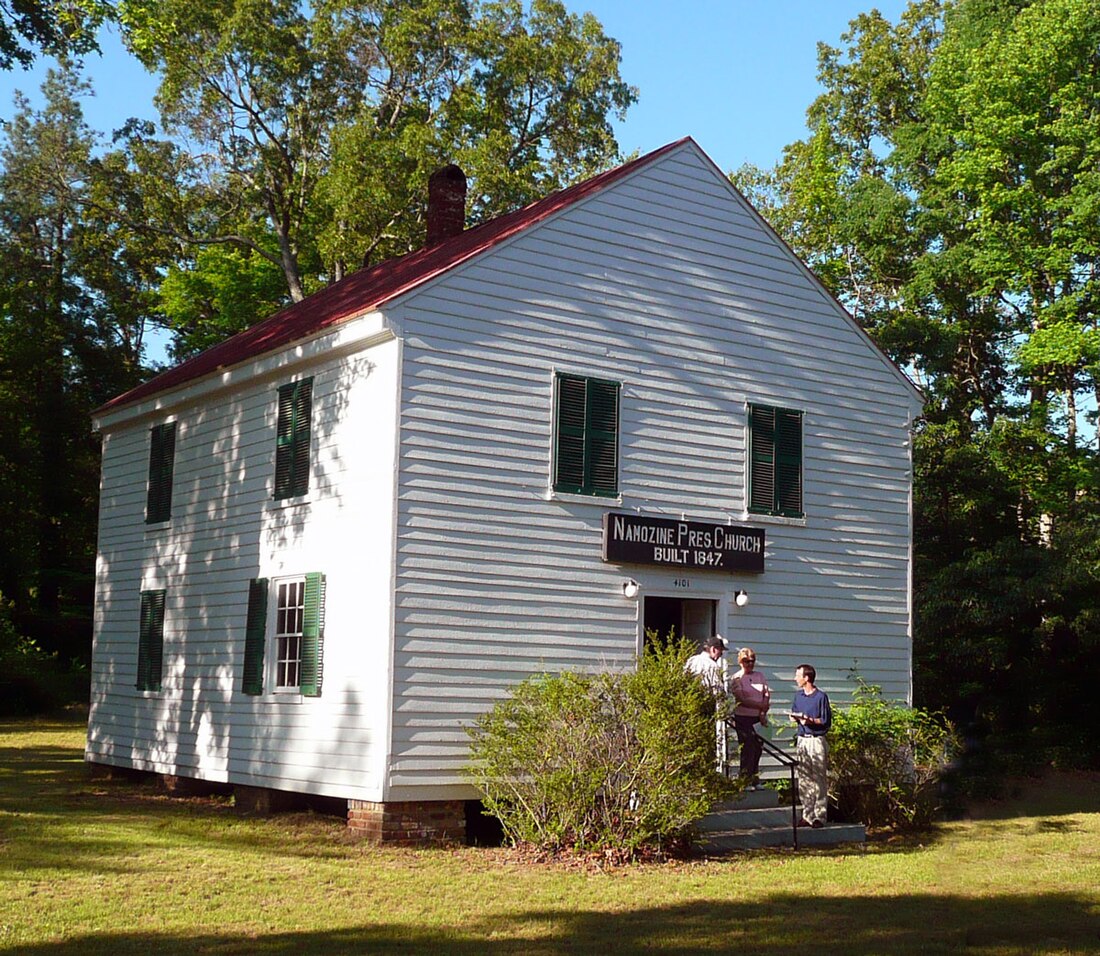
[284, 636]
[290, 609]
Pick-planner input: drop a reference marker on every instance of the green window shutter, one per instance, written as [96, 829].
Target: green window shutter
[162, 450]
[775, 461]
[313, 636]
[292, 441]
[151, 641]
[569, 453]
[586, 448]
[602, 464]
[788, 463]
[762, 459]
[255, 636]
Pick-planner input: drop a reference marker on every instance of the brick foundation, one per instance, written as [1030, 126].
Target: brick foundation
[409, 823]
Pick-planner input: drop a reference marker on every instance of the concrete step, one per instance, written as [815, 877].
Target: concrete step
[755, 819]
[719, 842]
[745, 818]
[750, 800]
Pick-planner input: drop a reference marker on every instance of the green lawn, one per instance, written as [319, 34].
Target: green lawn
[93, 866]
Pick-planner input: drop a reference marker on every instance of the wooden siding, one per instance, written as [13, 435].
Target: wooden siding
[226, 529]
[668, 283]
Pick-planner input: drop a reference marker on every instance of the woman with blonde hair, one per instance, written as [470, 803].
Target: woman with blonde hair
[750, 689]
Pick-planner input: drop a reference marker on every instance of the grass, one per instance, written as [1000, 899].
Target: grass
[94, 866]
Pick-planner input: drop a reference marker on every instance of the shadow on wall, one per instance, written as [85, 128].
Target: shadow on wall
[224, 526]
[773, 926]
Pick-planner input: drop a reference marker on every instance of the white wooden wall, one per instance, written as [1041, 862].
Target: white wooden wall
[667, 282]
[226, 529]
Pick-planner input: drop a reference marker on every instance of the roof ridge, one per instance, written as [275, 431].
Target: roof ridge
[373, 286]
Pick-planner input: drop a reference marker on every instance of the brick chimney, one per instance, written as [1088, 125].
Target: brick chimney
[446, 203]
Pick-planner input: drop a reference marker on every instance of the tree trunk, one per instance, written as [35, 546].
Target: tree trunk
[51, 442]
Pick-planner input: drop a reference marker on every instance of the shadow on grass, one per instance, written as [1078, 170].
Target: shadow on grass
[1053, 795]
[75, 819]
[779, 925]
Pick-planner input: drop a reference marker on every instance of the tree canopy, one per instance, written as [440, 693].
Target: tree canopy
[311, 133]
[74, 299]
[295, 146]
[948, 193]
[28, 27]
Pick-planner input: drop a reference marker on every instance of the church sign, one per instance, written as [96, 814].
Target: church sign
[633, 539]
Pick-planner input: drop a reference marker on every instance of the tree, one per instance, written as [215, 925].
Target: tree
[315, 128]
[71, 314]
[49, 26]
[948, 194]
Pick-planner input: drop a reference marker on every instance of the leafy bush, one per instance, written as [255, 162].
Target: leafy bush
[612, 761]
[31, 680]
[887, 760]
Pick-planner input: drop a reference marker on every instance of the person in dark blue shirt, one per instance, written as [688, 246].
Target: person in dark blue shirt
[814, 716]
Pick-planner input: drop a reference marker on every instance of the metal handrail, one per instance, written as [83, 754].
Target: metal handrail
[791, 764]
[786, 760]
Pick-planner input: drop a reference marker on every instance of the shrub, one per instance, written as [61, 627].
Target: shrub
[31, 680]
[887, 760]
[613, 761]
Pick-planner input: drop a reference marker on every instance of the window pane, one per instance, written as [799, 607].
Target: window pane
[288, 633]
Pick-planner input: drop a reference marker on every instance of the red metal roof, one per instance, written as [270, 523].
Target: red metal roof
[369, 288]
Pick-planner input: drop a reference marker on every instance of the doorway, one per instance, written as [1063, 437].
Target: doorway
[694, 618]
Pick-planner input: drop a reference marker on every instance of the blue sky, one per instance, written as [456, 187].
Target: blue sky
[736, 75]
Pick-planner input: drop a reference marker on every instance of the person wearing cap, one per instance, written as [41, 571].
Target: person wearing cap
[750, 690]
[710, 668]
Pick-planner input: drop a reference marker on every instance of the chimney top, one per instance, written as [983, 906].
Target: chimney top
[446, 203]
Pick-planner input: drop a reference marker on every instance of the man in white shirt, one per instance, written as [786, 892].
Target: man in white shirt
[710, 668]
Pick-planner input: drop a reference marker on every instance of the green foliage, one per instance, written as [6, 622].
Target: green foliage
[225, 291]
[314, 128]
[887, 760]
[54, 27]
[601, 761]
[31, 680]
[948, 193]
[72, 310]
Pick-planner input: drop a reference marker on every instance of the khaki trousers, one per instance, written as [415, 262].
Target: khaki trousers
[813, 777]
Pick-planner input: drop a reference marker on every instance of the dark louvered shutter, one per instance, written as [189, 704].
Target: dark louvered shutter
[313, 636]
[602, 476]
[762, 458]
[788, 463]
[292, 441]
[586, 452]
[162, 450]
[255, 636]
[151, 641]
[569, 454]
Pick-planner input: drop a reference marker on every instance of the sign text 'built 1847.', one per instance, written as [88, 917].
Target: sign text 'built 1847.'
[633, 539]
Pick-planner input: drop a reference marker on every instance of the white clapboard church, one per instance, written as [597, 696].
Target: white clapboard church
[329, 543]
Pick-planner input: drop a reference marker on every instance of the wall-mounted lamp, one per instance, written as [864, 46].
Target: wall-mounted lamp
[740, 598]
[631, 588]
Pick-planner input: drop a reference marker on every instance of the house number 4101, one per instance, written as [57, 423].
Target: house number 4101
[682, 583]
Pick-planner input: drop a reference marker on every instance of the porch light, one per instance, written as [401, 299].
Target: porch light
[631, 588]
[740, 598]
